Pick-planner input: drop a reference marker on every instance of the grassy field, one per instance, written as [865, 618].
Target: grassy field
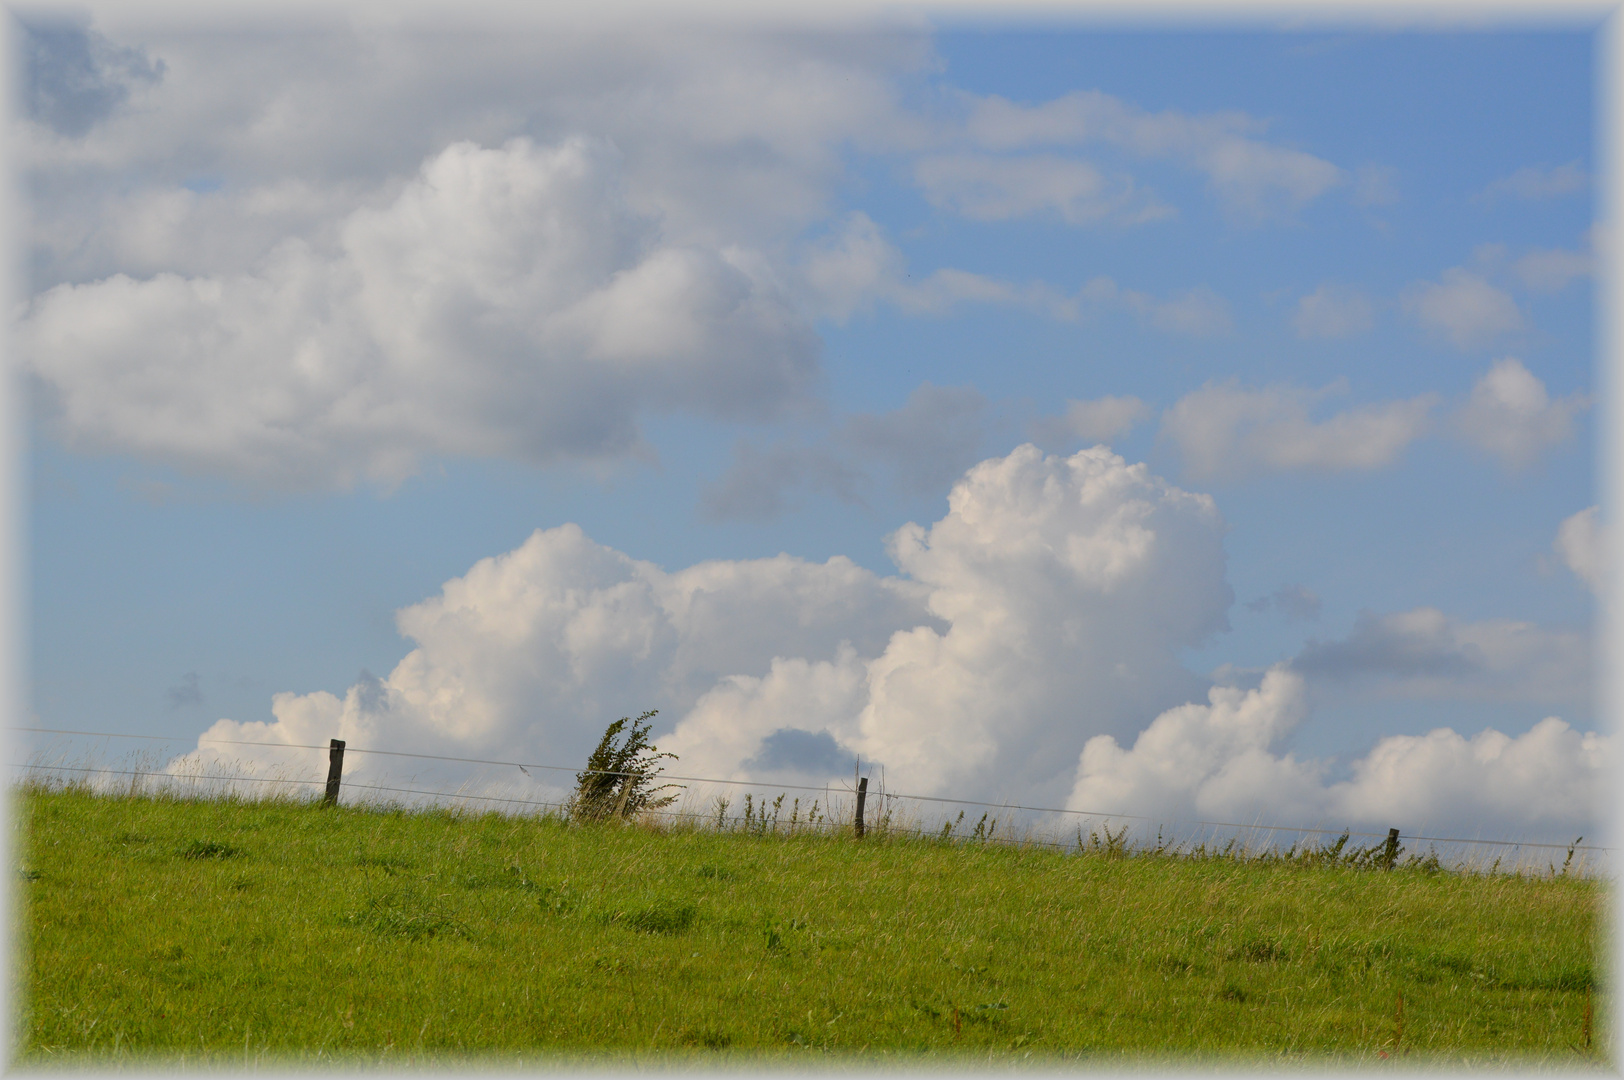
[219, 932]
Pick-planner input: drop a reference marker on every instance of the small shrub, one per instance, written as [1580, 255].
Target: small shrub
[619, 777]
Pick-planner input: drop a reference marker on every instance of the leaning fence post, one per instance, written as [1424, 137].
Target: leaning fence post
[335, 770]
[862, 796]
[1390, 850]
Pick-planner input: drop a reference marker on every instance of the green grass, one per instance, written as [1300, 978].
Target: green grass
[217, 932]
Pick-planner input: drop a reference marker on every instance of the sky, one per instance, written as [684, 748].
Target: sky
[1190, 424]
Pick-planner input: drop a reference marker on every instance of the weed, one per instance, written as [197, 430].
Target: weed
[1568, 862]
[1113, 845]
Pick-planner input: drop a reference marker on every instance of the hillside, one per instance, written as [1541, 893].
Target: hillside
[223, 932]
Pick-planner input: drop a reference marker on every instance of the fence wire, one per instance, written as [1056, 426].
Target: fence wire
[458, 795]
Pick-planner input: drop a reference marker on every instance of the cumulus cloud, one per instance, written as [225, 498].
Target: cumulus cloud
[506, 301]
[1331, 311]
[1425, 653]
[1510, 416]
[1223, 431]
[985, 188]
[1581, 543]
[730, 135]
[1252, 177]
[1033, 630]
[531, 652]
[1464, 308]
[1048, 605]
[1218, 761]
[1538, 182]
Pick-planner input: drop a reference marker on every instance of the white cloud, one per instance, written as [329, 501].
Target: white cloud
[1252, 177]
[1332, 311]
[985, 188]
[1539, 182]
[1206, 761]
[1426, 654]
[1464, 308]
[530, 653]
[1581, 541]
[1038, 624]
[1223, 431]
[1216, 762]
[1060, 580]
[1048, 605]
[730, 134]
[1510, 415]
[505, 302]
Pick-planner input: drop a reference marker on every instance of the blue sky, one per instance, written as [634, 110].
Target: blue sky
[320, 320]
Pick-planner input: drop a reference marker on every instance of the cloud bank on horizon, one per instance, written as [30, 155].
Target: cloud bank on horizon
[1035, 630]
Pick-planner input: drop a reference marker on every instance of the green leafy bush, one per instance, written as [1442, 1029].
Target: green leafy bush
[618, 781]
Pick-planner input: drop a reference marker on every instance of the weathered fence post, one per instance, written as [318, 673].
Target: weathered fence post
[335, 770]
[1390, 851]
[862, 796]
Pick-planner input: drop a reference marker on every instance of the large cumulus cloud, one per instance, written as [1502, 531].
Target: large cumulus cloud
[1066, 586]
[1222, 761]
[506, 302]
[1046, 606]
[1028, 651]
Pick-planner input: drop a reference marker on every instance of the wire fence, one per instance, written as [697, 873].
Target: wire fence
[1196, 834]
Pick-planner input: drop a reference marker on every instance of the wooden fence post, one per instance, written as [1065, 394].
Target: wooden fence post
[1390, 851]
[862, 796]
[335, 770]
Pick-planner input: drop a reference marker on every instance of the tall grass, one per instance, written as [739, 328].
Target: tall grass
[160, 928]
